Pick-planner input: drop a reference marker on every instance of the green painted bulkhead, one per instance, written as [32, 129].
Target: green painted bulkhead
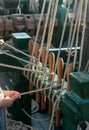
[75, 103]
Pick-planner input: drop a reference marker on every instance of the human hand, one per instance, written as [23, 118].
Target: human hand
[12, 94]
[6, 102]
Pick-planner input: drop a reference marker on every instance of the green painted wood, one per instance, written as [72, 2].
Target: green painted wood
[20, 40]
[75, 103]
[80, 83]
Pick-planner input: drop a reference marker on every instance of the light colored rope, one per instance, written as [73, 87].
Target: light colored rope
[69, 54]
[87, 66]
[72, 23]
[78, 29]
[50, 33]
[38, 90]
[38, 29]
[17, 58]
[39, 24]
[33, 118]
[34, 6]
[60, 45]
[18, 125]
[87, 124]
[82, 40]
[74, 32]
[42, 42]
[61, 41]
[15, 49]
[20, 68]
[44, 32]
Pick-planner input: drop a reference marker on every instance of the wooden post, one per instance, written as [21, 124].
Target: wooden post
[36, 54]
[58, 117]
[60, 66]
[51, 65]
[30, 49]
[69, 69]
[51, 62]
[43, 97]
[50, 108]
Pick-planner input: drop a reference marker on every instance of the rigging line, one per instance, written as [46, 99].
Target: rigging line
[60, 90]
[50, 32]
[82, 41]
[44, 32]
[77, 36]
[72, 23]
[15, 49]
[53, 112]
[60, 44]
[17, 58]
[38, 29]
[72, 40]
[74, 31]
[42, 42]
[20, 68]
[71, 46]
[64, 75]
[37, 90]
[19, 7]
[87, 66]
[39, 24]
[27, 73]
[33, 118]
[51, 28]
[69, 53]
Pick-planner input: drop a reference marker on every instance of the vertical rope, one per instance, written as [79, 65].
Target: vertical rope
[82, 41]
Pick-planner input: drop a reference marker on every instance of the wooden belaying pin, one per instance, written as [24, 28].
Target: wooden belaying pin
[50, 105]
[51, 62]
[69, 69]
[43, 97]
[30, 49]
[58, 117]
[36, 54]
[60, 66]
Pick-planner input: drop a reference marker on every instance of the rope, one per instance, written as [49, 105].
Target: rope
[61, 41]
[60, 45]
[83, 125]
[39, 24]
[82, 40]
[18, 125]
[72, 23]
[73, 36]
[44, 32]
[87, 66]
[38, 90]
[33, 6]
[15, 49]
[50, 32]
[20, 68]
[38, 120]
[77, 36]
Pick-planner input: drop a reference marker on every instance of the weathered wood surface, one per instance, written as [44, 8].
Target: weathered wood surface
[21, 23]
